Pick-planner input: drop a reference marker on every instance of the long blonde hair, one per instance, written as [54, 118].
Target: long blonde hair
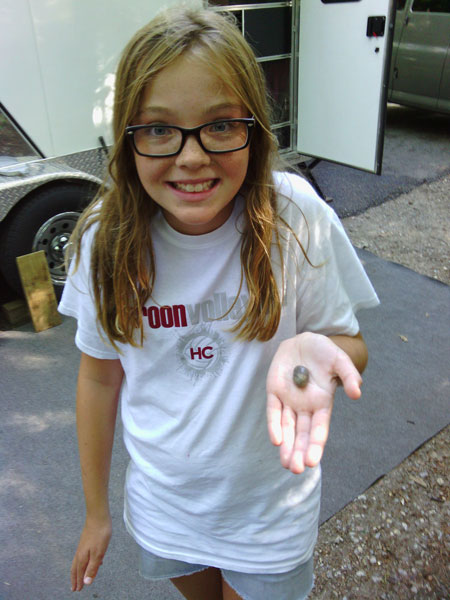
[122, 260]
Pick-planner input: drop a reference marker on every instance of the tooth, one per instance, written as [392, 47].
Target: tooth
[195, 187]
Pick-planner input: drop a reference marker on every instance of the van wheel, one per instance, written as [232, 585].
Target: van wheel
[43, 221]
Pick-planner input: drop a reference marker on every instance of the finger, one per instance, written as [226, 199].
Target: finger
[349, 375]
[274, 407]
[288, 424]
[91, 570]
[320, 426]
[297, 464]
[73, 578]
[77, 572]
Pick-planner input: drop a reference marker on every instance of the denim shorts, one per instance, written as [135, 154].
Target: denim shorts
[293, 585]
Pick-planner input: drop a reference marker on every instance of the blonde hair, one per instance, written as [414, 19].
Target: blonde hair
[122, 260]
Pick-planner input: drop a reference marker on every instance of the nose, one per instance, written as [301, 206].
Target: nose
[192, 155]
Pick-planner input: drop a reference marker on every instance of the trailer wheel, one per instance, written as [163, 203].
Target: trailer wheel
[43, 221]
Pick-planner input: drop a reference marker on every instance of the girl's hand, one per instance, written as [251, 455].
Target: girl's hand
[299, 418]
[91, 549]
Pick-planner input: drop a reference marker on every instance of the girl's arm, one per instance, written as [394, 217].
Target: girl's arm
[355, 347]
[99, 383]
[299, 418]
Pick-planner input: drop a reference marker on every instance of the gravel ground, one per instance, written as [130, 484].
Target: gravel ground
[393, 541]
[412, 230]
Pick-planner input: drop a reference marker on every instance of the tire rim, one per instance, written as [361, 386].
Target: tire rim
[53, 238]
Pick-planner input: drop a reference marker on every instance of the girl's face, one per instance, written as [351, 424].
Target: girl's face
[194, 189]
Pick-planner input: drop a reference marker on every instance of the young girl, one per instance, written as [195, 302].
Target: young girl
[202, 278]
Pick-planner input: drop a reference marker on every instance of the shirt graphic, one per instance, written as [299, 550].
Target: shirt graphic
[201, 350]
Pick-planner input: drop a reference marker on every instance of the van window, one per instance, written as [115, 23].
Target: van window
[441, 6]
[13, 146]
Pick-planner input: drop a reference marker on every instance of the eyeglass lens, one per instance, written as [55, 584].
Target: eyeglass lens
[222, 136]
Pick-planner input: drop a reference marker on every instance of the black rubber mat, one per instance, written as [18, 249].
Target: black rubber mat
[406, 389]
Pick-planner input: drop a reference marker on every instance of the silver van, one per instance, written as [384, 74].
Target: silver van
[420, 67]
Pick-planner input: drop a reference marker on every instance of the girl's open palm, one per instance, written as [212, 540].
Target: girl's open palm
[299, 418]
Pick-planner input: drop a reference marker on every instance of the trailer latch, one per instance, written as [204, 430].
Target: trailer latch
[376, 26]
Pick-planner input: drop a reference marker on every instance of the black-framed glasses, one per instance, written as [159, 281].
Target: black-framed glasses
[216, 137]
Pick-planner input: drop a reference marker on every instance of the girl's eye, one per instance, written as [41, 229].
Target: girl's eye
[221, 127]
[158, 131]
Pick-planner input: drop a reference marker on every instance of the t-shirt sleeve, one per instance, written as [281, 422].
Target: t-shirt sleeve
[332, 284]
[78, 301]
[335, 286]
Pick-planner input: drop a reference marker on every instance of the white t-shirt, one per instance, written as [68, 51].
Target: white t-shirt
[204, 484]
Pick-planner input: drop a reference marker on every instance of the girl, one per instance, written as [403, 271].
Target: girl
[201, 279]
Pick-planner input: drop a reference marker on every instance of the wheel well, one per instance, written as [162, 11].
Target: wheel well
[43, 222]
[89, 187]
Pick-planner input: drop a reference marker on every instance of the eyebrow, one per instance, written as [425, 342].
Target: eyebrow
[162, 110]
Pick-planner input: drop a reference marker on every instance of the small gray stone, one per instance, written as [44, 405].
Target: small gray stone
[300, 376]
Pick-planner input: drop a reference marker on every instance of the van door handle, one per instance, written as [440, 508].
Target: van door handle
[376, 26]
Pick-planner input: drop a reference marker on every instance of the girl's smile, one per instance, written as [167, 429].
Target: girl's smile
[193, 186]
[195, 189]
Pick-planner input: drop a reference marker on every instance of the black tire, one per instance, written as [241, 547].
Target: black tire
[42, 221]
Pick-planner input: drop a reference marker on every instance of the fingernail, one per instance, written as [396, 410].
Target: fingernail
[87, 580]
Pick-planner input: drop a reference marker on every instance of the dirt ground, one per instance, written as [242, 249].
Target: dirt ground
[393, 541]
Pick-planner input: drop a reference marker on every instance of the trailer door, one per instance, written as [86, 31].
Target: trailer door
[344, 58]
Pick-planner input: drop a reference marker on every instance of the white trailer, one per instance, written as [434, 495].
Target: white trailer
[327, 63]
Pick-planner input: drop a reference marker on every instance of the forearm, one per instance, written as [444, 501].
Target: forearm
[355, 347]
[97, 400]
